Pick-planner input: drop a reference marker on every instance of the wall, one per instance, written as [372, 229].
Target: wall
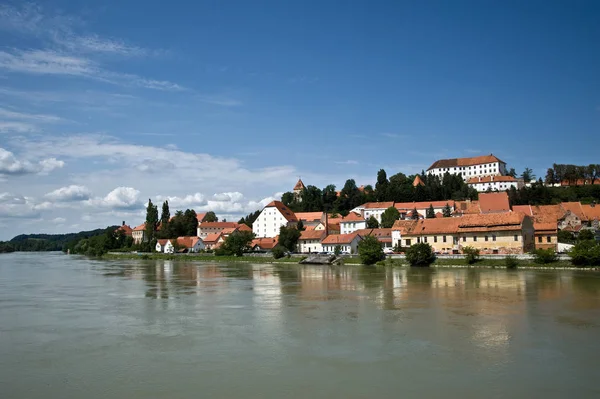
[310, 246]
[351, 227]
[268, 223]
[504, 243]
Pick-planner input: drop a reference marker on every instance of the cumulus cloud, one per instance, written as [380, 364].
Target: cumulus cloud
[69, 194]
[119, 198]
[10, 165]
[17, 206]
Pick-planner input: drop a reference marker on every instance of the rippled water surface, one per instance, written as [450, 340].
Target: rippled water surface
[71, 327]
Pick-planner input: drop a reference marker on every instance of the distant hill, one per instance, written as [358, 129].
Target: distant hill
[50, 242]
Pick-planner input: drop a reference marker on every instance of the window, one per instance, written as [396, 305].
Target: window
[540, 239]
[464, 238]
[486, 238]
[434, 238]
[424, 239]
[407, 243]
[548, 239]
[516, 238]
[474, 238]
[444, 238]
[493, 238]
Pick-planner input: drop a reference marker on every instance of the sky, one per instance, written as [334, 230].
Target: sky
[222, 105]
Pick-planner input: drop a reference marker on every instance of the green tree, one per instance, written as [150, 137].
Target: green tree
[300, 226]
[278, 252]
[236, 244]
[370, 250]
[372, 222]
[565, 237]
[190, 223]
[585, 234]
[420, 255]
[527, 175]
[337, 250]
[389, 216]
[381, 187]
[210, 217]
[585, 253]
[544, 256]
[430, 214]
[249, 219]
[414, 214]
[512, 172]
[151, 220]
[288, 237]
[165, 215]
[447, 211]
[471, 254]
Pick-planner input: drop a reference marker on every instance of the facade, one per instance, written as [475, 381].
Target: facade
[486, 165]
[192, 244]
[494, 183]
[139, 234]
[546, 236]
[406, 208]
[346, 242]
[310, 241]
[206, 228]
[399, 229]
[272, 217]
[164, 246]
[506, 233]
[384, 236]
[374, 209]
[213, 241]
[352, 222]
[311, 219]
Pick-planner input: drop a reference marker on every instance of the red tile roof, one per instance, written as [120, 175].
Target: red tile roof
[200, 216]
[455, 162]
[378, 205]
[470, 223]
[418, 181]
[125, 229]
[284, 210]
[162, 242]
[579, 182]
[494, 202]
[409, 206]
[309, 216]
[141, 227]
[592, 212]
[575, 207]
[526, 209]
[187, 242]
[312, 235]
[352, 217]
[212, 238]
[340, 238]
[218, 225]
[404, 225]
[244, 227]
[299, 185]
[265, 242]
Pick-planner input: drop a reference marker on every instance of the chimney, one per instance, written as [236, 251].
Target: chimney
[123, 223]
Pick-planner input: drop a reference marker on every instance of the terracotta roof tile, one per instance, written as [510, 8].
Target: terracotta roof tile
[592, 212]
[422, 205]
[454, 162]
[212, 238]
[494, 202]
[468, 223]
[352, 217]
[285, 211]
[418, 181]
[575, 207]
[492, 179]
[299, 185]
[141, 227]
[340, 238]
[526, 209]
[312, 235]
[309, 216]
[218, 225]
[265, 242]
[127, 230]
[187, 242]
[378, 205]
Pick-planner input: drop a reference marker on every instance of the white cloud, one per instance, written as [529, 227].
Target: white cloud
[6, 113]
[59, 220]
[348, 162]
[14, 206]
[18, 127]
[9, 165]
[119, 198]
[70, 193]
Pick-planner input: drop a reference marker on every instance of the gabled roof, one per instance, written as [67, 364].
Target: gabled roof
[212, 238]
[265, 242]
[494, 202]
[200, 216]
[127, 230]
[352, 217]
[340, 238]
[575, 207]
[455, 162]
[409, 206]
[218, 225]
[377, 205]
[526, 209]
[546, 228]
[187, 242]
[141, 227]
[404, 226]
[299, 185]
[591, 211]
[229, 230]
[418, 181]
[162, 241]
[244, 227]
[309, 216]
[312, 235]
[284, 210]
[509, 221]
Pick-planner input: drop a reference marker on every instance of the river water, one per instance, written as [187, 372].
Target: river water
[78, 328]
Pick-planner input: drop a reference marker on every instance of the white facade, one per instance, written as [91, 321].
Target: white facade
[499, 183]
[350, 247]
[350, 226]
[396, 237]
[166, 247]
[477, 170]
[269, 222]
[310, 246]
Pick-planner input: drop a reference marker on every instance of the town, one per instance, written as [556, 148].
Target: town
[484, 218]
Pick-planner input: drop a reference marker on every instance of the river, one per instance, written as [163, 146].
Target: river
[72, 327]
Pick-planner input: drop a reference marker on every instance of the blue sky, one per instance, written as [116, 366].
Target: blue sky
[222, 105]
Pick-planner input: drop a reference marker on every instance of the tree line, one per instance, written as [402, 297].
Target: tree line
[559, 173]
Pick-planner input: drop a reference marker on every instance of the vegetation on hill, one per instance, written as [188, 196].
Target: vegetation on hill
[47, 242]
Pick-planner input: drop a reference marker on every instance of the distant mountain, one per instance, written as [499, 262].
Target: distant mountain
[50, 242]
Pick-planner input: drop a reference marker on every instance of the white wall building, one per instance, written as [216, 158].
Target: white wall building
[310, 241]
[272, 217]
[346, 242]
[206, 228]
[164, 246]
[374, 209]
[486, 165]
[351, 223]
[500, 183]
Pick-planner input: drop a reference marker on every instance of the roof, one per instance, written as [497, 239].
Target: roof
[187, 242]
[591, 211]
[490, 179]
[575, 207]
[200, 216]
[378, 205]
[162, 242]
[352, 217]
[300, 185]
[579, 182]
[141, 227]
[418, 181]
[508, 221]
[218, 225]
[454, 162]
[212, 238]
[284, 210]
[404, 225]
[526, 209]
[466, 207]
[340, 238]
[422, 205]
[244, 227]
[125, 229]
[309, 216]
[265, 242]
[494, 202]
[312, 235]
[229, 230]
[545, 227]
[333, 227]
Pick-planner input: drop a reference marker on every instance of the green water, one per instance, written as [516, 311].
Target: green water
[71, 327]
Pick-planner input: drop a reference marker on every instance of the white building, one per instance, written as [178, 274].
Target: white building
[400, 228]
[310, 241]
[206, 228]
[164, 246]
[500, 183]
[139, 234]
[374, 209]
[346, 242]
[192, 244]
[352, 222]
[486, 165]
[272, 217]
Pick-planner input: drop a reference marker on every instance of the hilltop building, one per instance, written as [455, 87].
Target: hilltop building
[487, 165]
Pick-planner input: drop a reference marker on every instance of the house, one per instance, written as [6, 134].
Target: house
[352, 222]
[494, 203]
[495, 233]
[545, 235]
[139, 234]
[311, 219]
[206, 228]
[272, 217]
[164, 246]
[406, 208]
[310, 241]
[486, 165]
[191, 244]
[399, 229]
[264, 244]
[384, 236]
[374, 209]
[346, 242]
[213, 240]
[127, 230]
[498, 183]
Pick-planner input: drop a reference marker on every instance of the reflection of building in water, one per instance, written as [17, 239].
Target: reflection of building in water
[323, 282]
[267, 298]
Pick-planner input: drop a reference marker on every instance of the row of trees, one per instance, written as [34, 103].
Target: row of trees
[184, 223]
[559, 173]
[541, 194]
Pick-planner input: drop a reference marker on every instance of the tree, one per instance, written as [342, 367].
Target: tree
[414, 214]
[278, 252]
[544, 256]
[210, 217]
[165, 215]
[420, 255]
[550, 177]
[585, 253]
[585, 234]
[300, 226]
[288, 237]
[447, 211]
[236, 244]
[249, 219]
[372, 222]
[370, 250]
[389, 216]
[190, 223]
[527, 175]
[430, 214]
[512, 172]
[381, 187]
[151, 220]
[471, 254]
[337, 250]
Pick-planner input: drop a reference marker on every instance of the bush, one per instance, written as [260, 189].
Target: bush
[370, 251]
[420, 255]
[585, 253]
[585, 235]
[278, 252]
[544, 256]
[337, 250]
[511, 262]
[472, 255]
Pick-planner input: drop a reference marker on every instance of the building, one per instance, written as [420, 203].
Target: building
[497, 233]
[191, 244]
[206, 228]
[486, 165]
[272, 218]
[494, 183]
[264, 244]
[545, 235]
[213, 240]
[312, 219]
[298, 190]
[139, 234]
[384, 236]
[126, 229]
[494, 203]
[399, 229]
[406, 208]
[374, 209]
[352, 222]
[347, 242]
[310, 241]
[164, 246]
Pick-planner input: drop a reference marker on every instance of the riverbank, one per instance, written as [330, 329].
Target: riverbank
[439, 263]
